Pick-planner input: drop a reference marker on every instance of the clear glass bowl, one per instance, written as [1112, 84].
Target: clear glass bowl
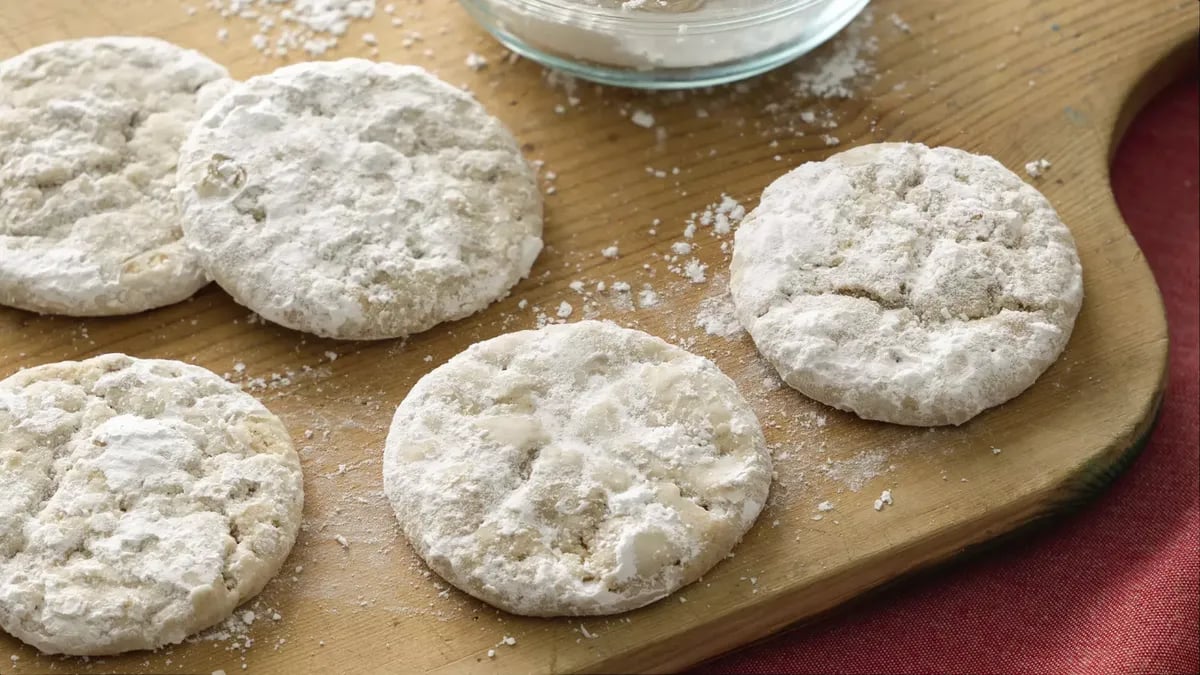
[663, 44]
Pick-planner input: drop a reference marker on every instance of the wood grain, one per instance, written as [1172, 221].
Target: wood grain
[1017, 79]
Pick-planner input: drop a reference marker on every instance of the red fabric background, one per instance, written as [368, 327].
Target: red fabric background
[1113, 589]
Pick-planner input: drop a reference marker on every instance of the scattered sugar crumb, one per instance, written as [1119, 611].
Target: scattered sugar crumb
[476, 62]
[694, 270]
[610, 252]
[642, 119]
[1038, 167]
[647, 298]
[835, 70]
[564, 310]
[885, 499]
[284, 25]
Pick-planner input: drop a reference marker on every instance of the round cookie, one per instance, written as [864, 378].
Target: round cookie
[907, 284]
[358, 200]
[580, 469]
[89, 139]
[140, 501]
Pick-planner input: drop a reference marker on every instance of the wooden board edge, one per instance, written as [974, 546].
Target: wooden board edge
[1175, 62]
[1021, 520]
[1024, 520]
[1095, 480]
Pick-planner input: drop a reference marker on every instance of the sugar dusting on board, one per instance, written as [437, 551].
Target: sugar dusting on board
[715, 316]
[279, 27]
[840, 65]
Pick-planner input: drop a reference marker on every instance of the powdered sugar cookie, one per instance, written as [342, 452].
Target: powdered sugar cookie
[907, 284]
[89, 138]
[579, 469]
[358, 200]
[140, 501]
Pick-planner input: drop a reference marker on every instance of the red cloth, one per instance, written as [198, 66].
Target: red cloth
[1112, 589]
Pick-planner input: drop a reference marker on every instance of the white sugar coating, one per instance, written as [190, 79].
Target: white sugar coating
[906, 284]
[580, 469]
[358, 200]
[89, 138]
[141, 501]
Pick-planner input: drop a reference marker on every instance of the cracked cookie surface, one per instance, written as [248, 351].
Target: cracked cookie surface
[140, 501]
[907, 284]
[358, 200]
[89, 138]
[580, 469]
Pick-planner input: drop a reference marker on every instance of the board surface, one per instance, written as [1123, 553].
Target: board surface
[1017, 79]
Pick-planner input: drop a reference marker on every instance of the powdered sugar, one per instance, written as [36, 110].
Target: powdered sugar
[835, 71]
[281, 26]
[727, 31]
[716, 316]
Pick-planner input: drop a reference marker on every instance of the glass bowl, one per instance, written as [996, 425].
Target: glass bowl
[663, 44]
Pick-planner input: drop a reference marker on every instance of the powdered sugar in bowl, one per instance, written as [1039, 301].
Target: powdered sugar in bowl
[663, 44]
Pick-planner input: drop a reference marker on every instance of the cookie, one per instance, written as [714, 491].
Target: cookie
[358, 200]
[907, 284]
[89, 139]
[140, 502]
[580, 469]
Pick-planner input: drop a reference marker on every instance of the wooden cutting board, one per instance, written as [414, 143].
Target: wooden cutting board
[1017, 79]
